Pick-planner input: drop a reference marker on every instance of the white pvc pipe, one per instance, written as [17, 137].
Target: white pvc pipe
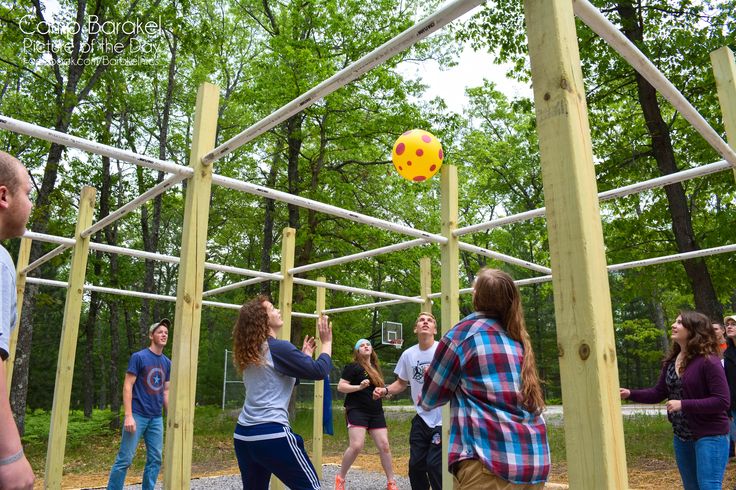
[623, 46]
[672, 258]
[533, 280]
[43, 237]
[237, 285]
[358, 256]
[377, 304]
[514, 218]
[409, 37]
[47, 282]
[138, 294]
[381, 304]
[348, 289]
[682, 176]
[303, 315]
[42, 260]
[134, 204]
[259, 190]
[175, 260]
[64, 139]
[688, 174]
[504, 258]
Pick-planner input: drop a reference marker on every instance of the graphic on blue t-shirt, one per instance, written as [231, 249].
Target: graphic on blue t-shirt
[418, 371]
[154, 379]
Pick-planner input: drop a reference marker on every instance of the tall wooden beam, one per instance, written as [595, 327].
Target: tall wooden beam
[450, 253]
[587, 349]
[286, 290]
[319, 387]
[68, 343]
[286, 286]
[724, 69]
[188, 313]
[425, 283]
[24, 254]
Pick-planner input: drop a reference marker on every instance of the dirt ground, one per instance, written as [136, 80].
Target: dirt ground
[646, 475]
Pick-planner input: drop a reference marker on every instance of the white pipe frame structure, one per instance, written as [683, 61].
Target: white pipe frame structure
[656, 182]
[42, 260]
[138, 294]
[594, 19]
[268, 193]
[358, 256]
[135, 203]
[90, 146]
[406, 39]
[583, 9]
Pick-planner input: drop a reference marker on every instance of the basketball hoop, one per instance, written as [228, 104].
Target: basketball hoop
[398, 343]
[391, 334]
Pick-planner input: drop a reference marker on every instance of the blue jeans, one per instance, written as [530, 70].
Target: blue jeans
[702, 462]
[152, 431]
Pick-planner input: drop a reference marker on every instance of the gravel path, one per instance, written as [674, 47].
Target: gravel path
[357, 480]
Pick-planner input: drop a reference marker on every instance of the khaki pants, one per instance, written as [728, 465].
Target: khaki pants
[471, 474]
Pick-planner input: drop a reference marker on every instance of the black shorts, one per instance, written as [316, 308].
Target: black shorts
[356, 417]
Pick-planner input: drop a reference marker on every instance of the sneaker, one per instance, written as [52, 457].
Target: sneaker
[391, 485]
[340, 483]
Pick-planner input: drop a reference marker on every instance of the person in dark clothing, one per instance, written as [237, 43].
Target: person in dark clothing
[362, 413]
[729, 364]
[694, 383]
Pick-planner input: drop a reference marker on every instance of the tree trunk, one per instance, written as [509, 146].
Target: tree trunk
[696, 269]
[270, 206]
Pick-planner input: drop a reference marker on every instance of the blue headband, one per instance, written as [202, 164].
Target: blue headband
[360, 341]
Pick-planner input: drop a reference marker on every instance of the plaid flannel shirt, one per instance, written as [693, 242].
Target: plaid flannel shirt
[477, 368]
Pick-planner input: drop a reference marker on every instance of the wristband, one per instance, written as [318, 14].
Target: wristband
[12, 459]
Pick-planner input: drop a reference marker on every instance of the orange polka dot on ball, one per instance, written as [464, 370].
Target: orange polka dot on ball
[417, 155]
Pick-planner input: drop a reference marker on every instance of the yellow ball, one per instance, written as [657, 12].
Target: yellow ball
[417, 155]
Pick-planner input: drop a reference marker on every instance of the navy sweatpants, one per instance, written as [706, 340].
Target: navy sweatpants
[273, 448]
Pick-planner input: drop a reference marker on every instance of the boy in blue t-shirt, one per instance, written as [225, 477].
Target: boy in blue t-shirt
[145, 393]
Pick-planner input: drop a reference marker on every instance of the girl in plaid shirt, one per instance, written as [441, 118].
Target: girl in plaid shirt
[485, 368]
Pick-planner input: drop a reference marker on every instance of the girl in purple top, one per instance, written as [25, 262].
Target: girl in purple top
[694, 384]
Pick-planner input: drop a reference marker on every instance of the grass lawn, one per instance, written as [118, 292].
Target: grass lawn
[91, 446]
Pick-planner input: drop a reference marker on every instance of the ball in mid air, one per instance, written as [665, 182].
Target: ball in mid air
[417, 155]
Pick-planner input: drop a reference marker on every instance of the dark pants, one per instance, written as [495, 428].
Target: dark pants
[425, 455]
[270, 448]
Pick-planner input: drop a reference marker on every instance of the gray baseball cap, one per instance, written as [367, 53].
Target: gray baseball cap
[164, 321]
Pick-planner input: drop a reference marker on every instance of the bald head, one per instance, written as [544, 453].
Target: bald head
[9, 171]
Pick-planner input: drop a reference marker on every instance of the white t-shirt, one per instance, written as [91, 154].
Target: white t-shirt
[411, 366]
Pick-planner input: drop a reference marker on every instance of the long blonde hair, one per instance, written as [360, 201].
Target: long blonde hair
[495, 294]
[372, 367]
[249, 333]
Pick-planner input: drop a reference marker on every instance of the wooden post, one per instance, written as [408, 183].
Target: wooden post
[319, 386]
[587, 349]
[286, 286]
[286, 289]
[68, 343]
[724, 70]
[188, 313]
[425, 283]
[450, 253]
[24, 254]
